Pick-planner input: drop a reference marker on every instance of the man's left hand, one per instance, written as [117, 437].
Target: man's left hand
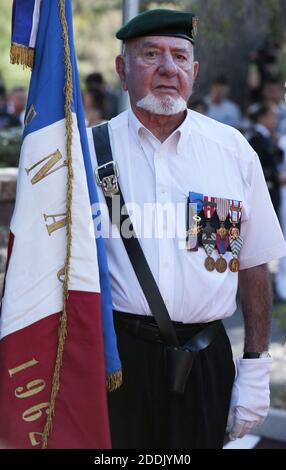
[250, 398]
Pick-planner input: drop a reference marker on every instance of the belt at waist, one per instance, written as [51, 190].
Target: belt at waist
[145, 327]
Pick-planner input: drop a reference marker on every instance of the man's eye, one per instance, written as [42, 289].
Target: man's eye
[151, 54]
[181, 57]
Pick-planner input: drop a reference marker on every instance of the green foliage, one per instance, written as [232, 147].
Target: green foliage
[95, 25]
[10, 144]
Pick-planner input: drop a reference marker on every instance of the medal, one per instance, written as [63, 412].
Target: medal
[208, 242]
[234, 265]
[222, 231]
[222, 245]
[195, 206]
[210, 204]
[235, 245]
[234, 232]
[208, 229]
[234, 217]
[222, 238]
[222, 212]
[210, 264]
[195, 229]
[208, 237]
[193, 232]
[221, 265]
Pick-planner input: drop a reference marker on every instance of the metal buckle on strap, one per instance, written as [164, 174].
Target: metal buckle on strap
[109, 183]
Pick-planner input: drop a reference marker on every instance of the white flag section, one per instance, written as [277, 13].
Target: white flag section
[34, 277]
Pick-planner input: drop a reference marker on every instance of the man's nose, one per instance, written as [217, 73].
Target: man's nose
[167, 65]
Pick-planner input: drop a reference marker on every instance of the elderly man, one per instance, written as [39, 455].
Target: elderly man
[179, 377]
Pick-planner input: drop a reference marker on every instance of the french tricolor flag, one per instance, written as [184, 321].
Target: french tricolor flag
[58, 355]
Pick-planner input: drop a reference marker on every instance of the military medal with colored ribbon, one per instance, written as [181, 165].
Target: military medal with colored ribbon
[222, 245]
[210, 205]
[195, 206]
[235, 245]
[222, 212]
[234, 217]
[209, 242]
[222, 239]
[209, 237]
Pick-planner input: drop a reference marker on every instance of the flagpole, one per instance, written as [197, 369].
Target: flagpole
[130, 8]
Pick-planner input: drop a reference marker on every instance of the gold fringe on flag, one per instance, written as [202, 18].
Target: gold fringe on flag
[114, 381]
[62, 332]
[22, 55]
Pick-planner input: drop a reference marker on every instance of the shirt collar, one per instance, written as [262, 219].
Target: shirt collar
[181, 134]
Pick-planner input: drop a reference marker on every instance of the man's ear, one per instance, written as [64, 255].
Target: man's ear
[120, 65]
[196, 69]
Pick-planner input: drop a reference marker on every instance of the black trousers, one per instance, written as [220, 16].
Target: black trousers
[145, 415]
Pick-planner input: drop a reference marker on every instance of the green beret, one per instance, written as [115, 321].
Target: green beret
[160, 22]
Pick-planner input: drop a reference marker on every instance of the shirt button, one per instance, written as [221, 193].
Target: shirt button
[163, 189]
[166, 265]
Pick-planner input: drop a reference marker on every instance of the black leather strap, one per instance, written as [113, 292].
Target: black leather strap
[251, 355]
[132, 245]
[202, 334]
[102, 144]
[203, 338]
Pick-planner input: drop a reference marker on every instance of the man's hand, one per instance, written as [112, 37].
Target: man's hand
[250, 396]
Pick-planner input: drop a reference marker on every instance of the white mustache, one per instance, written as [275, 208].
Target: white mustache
[166, 105]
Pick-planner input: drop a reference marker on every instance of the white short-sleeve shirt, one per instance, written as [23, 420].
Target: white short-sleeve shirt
[201, 156]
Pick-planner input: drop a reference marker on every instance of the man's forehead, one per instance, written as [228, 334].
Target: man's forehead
[163, 42]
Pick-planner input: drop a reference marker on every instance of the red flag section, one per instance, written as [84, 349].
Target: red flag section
[27, 358]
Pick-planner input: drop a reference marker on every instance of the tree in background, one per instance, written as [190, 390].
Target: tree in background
[95, 25]
[231, 35]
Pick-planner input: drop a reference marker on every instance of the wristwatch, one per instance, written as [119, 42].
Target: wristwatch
[255, 355]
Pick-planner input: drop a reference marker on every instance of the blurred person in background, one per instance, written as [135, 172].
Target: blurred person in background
[220, 107]
[94, 104]
[264, 141]
[273, 93]
[104, 98]
[6, 119]
[262, 66]
[17, 103]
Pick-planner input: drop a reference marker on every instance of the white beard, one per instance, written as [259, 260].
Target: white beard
[166, 106]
